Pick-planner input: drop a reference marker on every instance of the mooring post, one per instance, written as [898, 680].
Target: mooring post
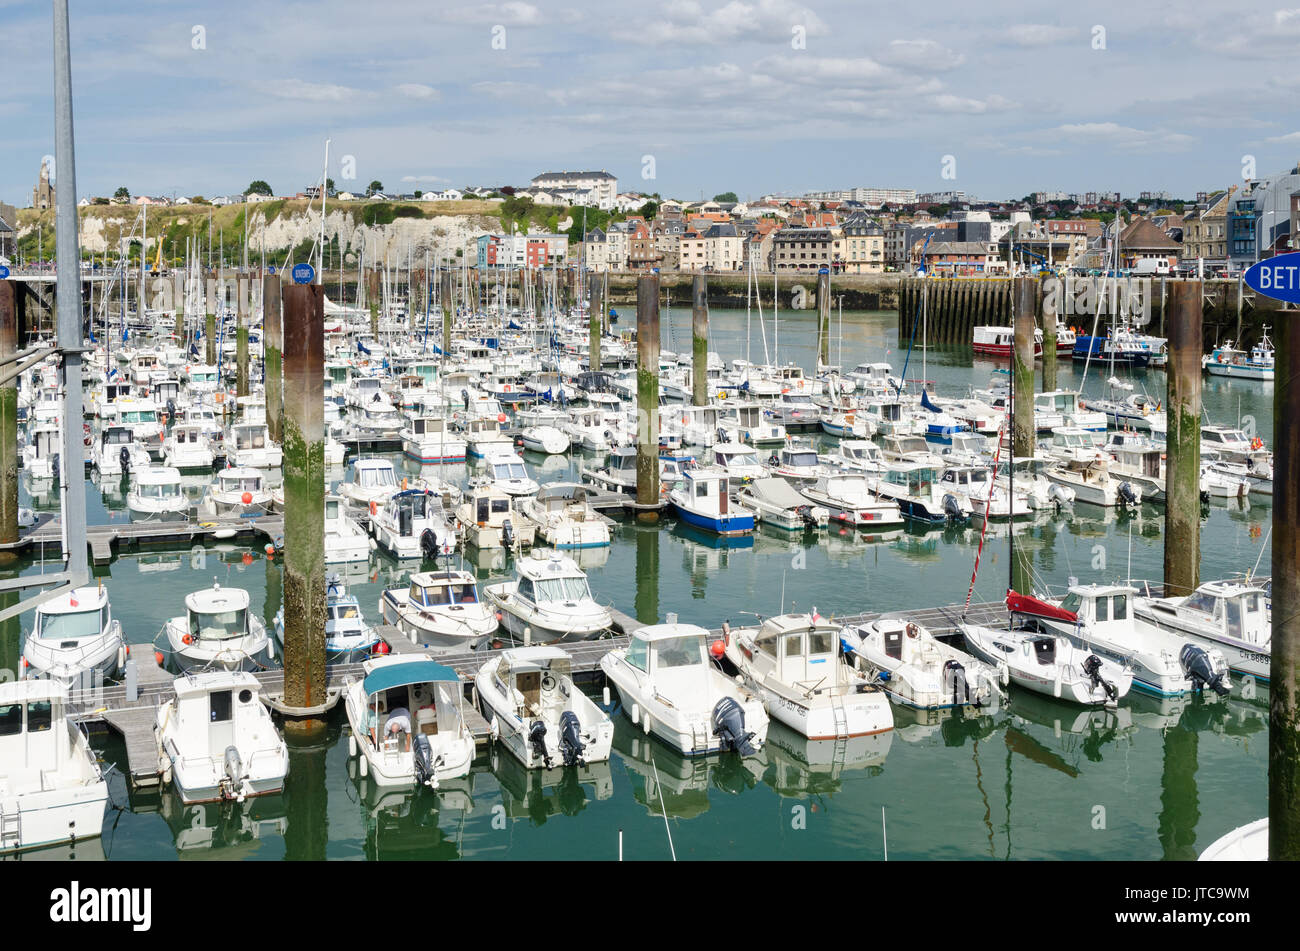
[823, 319]
[1183, 465]
[1024, 298]
[699, 339]
[241, 337]
[273, 355]
[9, 291]
[539, 294]
[210, 328]
[593, 328]
[445, 295]
[1049, 299]
[604, 304]
[304, 501]
[372, 299]
[1284, 662]
[647, 394]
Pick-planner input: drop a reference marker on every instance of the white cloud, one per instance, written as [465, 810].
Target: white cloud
[1122, 138]
[1039, 34]
[686, 22]
[1289, 137]
[418, 91]
[312, 92]
[506, 14]
[947, 102]
[923, 55]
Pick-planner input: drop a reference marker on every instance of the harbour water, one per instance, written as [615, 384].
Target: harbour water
[1037, 779]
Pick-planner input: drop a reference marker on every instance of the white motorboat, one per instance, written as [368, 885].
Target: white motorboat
[564, 518]
[216, 741]
[440, 609]
[848, 499]
[796, 663]
[796, 463]
[75, 635]
[1050, 664]
[237, 492]
[545, 439]
[858, 456]
[250, 445]
[918, 670]
[1248, 843]
[775, 502]
[187, 446]
[346, 542]
[506, 471]
[116, 453]
[548, 601]
[157, 491]
[619, 472]
[1092, 482]
[489, 519]
[1027, 477]
[986, 498]
[669, 689]
[536, 711]
[701, 499]
[408, 723]
[51, 788]
[915, 489]
[217, 631]
[373, 481]
[348, 638]
[40, 457]
[1231, 616]
[412, 524]
[429, 440]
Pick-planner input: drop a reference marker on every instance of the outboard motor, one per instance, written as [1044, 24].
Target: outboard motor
[1125, 492]
[571, 745]
[1196, 664]
[234, 769]
[508, 533]
[537, 740]
[171, 408]
[728, 722]
[1092, 668]
[422, 758]
[954, 676]
[952, 508]
[805, 512]
[464, 395]
[428, 545]
[723, 435]
[124, 457]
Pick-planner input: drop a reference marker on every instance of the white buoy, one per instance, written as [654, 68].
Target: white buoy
[528, 636]
[604, 695]
[645, 724]
[352, 744]
[495, 729]
[365, 767]
[636, 714]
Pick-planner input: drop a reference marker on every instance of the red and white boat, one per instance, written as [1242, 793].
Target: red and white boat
[998, 341]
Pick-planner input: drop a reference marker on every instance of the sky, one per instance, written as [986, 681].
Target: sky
[687, 98]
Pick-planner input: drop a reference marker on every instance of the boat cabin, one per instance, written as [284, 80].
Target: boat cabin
[217, 710]
[250, 436]
[33, 739]
[1098, 605]
[1230, 609]
[411, 508]
[426, 692]
[521, 672]
[798, 650]
[966, 480]
[373, 474]
[916, 480]
[435, 589]
[217, 614]
[550, 577]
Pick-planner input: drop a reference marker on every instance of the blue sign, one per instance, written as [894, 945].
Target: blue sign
[4, 272]
[823, 270]
[270, 269]
[303, 273]
[1277, 277]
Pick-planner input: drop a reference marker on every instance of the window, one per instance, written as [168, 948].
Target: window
[525, 588]
[66, 626]
[40, 716]
[219, 625]
[675, 652]
[637, 652]
[1103, 609]
[701, 489]
[11, 719]
[1234, 618]
[219, 706]
[793, 645]
[1119, 607]
[820, 642]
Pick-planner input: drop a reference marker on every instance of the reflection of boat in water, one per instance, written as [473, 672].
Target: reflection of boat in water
[953, 725]
[227, 830]
[712, 540]
[1074, 730]
[797, 767]
[538, 794]
[403, 823]
[682, 786]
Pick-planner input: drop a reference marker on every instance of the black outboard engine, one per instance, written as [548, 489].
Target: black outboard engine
[422, 754]
[952, 508]
[955, 673]
[1126, 494]
[772, 460]
[171, 409]
[508, 533]
[428, 545]
[464, 395]
[537, 740]
[723, 435]
[1196, 665]
[1092, 667]
[728, 722]
[571, 745]
[124, 457]
[805, 513]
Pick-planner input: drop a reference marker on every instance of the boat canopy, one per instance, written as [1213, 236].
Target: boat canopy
[405, 674]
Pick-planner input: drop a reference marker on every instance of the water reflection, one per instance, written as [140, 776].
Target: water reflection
[226, 830]
[797, 767]
[403, 822]
[538, 794]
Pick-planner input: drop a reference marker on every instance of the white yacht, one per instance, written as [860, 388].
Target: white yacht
[506, 471]
[918, 670]
[218, 630]
[440, 609]
[776, 503]
[346, 542]
[116, 453]
[986, 498]
[548, 601]
[796, 663]
[250, 445]
[51, 788]
[237, 492]
[849, 499]
[1230, 616]
[1050, 664]
[412, 524]
[564, 518]
[489, 519]
[373, 481]
[216, 741]
[188, 447]
[157, 491]
[536, 711]
[74, 634]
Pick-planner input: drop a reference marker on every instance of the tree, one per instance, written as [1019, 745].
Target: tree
[122, 193]
[726, 196]
[258, 187]
[507, 189]
[329, 186]
[375, 186]
[199, 200]
[649, 210]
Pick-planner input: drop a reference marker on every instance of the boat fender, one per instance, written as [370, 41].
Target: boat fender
[604, 696]
[494, 729]
[352, 744]
[363, 767]
[636, 714]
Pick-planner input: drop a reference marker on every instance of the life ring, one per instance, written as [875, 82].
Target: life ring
[221, 397]
[801, 384]
[911, 631]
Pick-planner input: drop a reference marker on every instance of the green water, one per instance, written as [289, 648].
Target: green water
[1038, 779]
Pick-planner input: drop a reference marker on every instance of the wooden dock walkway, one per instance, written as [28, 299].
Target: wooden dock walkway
[133, 718]
[48, 533]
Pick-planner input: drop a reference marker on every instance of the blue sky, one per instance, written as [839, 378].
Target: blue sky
[753, 96]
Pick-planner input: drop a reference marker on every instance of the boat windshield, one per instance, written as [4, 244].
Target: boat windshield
[740, 459]
[675, 652]
[220, 625]
[57, 627]
[372, 478]
[801, 459]
[561, 589]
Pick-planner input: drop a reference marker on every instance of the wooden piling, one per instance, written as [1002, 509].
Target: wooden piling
[1284, 661]
[272, 355]
[304, 502]
[1183, 466]
[210, 328]
[372, 299]
[241, 339]
[647, 391]
[824, 318]
[593, 325]
[445, 300]
[9, 293]
[1048, 309]
[1024, 294]
[700, 340]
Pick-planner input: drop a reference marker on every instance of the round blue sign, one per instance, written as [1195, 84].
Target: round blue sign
[1276, 277]
[270, 269]
[4, 272]
[303, 273]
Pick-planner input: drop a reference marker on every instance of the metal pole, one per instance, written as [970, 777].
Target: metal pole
[9, 290]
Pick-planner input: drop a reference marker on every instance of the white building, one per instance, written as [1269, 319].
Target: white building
[602, 184]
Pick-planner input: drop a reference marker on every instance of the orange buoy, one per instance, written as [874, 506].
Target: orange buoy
[501, 417]
[248, 558]
[246, 498]
[717, 649]
[270, 550]
[187, 639]
[158, 657]
[373, 508]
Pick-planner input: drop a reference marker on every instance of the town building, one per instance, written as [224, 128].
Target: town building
[1143, 240]
[861, 246]
[43, 193]
[805, 250]
[602, 185]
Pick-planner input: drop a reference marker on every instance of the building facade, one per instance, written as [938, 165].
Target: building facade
[602, 185]
[43, 193]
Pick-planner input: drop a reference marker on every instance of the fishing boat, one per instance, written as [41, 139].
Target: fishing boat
[915, 489]
[489, 519]
[776, 503]
[849, 499]
[346, 542]
[985, 497]
[1049, 664]
[796, 463]
[1000, 341]
[373, 480]
[748, 422]
[186, 446]
[217, 631]
[619, 472]
[237, 492]
[917, 669]
[157, 491]
[40, 457]
[1230, 361]
[51, 787]
[74, 637]
[250, 445]
[116, 453]
[1092, 482]
[216, 741]
[440, 610]
[564, 518]
[669, 689]
[701, 499]
[1100, 617]
[860, 456]
[1229, 616]
[407, 719]
[548, 601]
[535, 710]
[796, 664]
[739, 460]
[429, 440]
[1027, 475]
[412, 524]
[348, 638]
